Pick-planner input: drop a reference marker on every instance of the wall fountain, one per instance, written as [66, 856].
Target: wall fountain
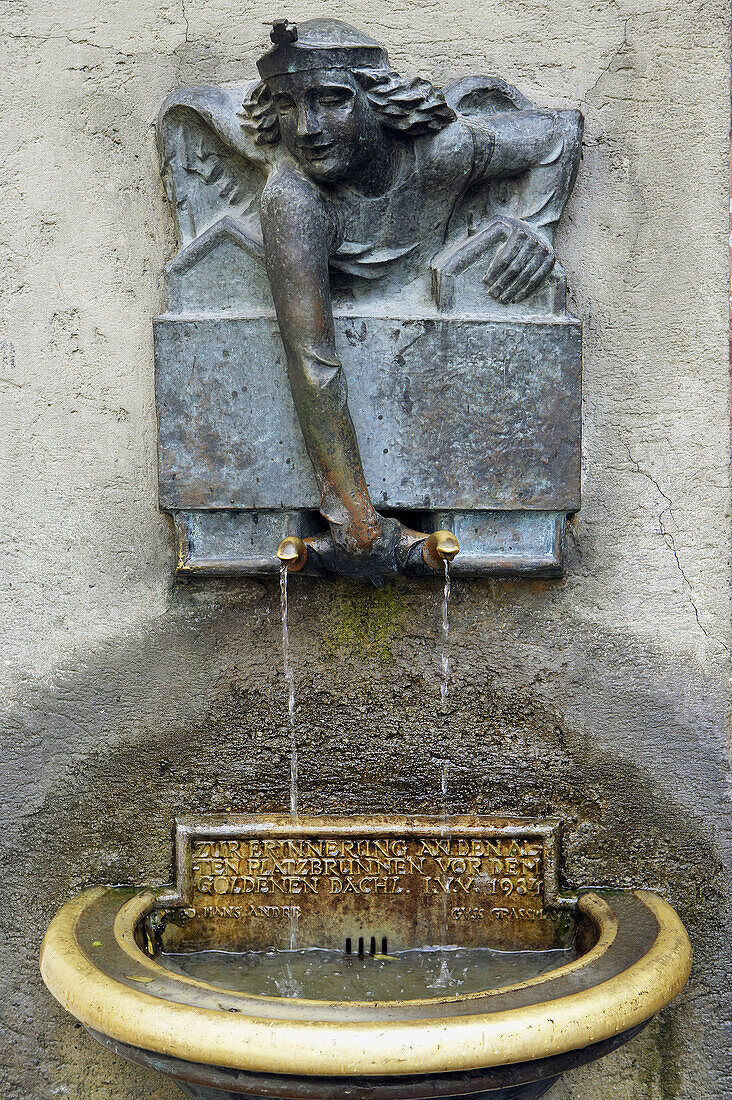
[337, 219]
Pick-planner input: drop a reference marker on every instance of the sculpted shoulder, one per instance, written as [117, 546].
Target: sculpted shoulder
[448, 154]
[292, 201]
[296, 216]
[288, 191]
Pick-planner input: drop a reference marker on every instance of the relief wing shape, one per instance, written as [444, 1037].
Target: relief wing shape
[210, 164]
[475, 96]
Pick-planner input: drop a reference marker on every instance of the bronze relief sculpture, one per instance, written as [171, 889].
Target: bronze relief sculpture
[411, 228]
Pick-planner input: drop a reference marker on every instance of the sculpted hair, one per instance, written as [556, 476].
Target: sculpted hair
[411, 107]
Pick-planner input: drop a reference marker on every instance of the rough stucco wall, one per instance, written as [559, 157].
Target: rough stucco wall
[128, 699]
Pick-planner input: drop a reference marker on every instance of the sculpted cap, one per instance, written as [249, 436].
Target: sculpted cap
[319, 44]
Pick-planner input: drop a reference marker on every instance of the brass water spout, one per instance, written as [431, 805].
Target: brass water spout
[439, 547]
[292, 553]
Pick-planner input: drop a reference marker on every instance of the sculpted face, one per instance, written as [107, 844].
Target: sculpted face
[326, 122]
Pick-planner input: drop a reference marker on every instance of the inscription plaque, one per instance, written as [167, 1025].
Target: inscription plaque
[379, 882]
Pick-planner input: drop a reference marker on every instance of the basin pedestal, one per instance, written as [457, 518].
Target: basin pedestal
[520, 1092]
[217, 1083]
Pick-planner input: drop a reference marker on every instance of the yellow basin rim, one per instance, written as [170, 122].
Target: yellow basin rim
[333, 1047]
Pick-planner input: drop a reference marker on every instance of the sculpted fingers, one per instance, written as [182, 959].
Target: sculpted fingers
[520, 266]
[537, 278]
[504, 256]
[515, 288]
[513, 269]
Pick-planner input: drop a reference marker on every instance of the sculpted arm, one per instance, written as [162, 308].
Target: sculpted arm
[539, 150]
[299, 234]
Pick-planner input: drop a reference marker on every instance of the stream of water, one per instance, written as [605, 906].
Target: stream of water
[290, 682]
[445, 657]
[286, 982]
[444, 979]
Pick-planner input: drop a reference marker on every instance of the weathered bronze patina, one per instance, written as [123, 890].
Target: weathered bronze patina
[408, 232]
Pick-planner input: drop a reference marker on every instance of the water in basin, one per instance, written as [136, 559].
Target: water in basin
[321, 974]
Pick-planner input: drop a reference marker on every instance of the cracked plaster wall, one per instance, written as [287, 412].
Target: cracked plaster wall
[601, 698]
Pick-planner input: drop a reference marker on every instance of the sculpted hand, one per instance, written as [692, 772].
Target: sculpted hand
[391, 548]
[375, 556]
[520, 265]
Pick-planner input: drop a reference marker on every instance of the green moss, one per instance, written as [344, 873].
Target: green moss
[363, 621]
[660, 1076]
[648, 1070]
[669, 1074]
[565, 926]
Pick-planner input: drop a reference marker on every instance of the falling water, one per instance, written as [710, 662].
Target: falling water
[445, 658]
[290, 681]
[444, 979]
[290, 986]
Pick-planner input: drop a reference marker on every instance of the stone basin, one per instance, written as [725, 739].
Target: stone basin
[125, 963]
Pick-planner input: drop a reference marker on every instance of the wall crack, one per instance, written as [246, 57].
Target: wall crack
[668, 537]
